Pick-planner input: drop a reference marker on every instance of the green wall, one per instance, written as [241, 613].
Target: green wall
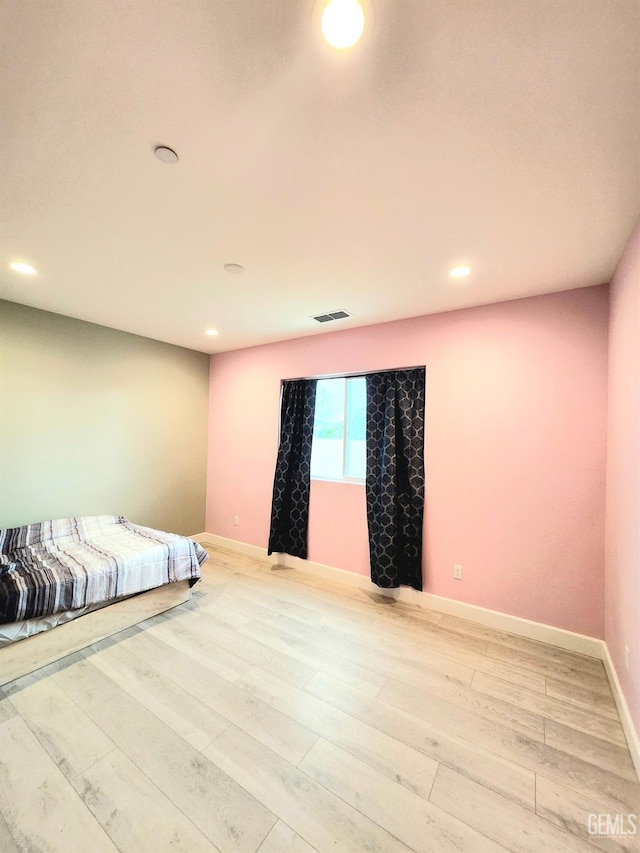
[95, 421]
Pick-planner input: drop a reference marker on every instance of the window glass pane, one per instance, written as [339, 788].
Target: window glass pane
[356, 452]
[328, 430]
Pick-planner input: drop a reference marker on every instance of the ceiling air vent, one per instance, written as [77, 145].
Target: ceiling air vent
[332, 315]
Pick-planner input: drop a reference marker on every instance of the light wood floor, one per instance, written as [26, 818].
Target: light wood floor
[280, 713]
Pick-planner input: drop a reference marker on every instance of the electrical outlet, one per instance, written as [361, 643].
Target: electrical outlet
[457, 572]
[236, 520]
[626, 658]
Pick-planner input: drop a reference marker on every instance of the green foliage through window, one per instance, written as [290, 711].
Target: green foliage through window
[339, 435]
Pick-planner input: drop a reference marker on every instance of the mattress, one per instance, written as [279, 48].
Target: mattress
[11, 632]
[56, 567]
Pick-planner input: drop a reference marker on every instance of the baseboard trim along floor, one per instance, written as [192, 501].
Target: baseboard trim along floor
[567, 640]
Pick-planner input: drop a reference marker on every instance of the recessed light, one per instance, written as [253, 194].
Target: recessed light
[460, 272]
[211, 332]
[342, 23]
[25, 269]
[234, 269]
[165, 154]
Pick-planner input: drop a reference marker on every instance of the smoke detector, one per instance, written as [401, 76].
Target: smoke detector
[165, 154]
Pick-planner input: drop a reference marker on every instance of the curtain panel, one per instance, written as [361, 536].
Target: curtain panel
[292, 481]
[395, 476]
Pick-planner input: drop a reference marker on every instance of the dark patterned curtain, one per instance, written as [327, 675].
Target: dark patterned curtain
[291, 485]
[395, 476]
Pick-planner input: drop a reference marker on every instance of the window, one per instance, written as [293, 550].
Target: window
[338, 451]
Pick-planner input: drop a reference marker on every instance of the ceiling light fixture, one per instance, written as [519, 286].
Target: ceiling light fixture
[234, 269]
[165, 154]
[460, 272]
[342, 23]
[25, 269]
[211, 332]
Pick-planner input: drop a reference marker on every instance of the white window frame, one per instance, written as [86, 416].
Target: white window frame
[357, 481]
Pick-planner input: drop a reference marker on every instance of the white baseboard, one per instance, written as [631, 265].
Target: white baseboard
[568, 640]
[579, 643]
[623, 709]
[232, 544]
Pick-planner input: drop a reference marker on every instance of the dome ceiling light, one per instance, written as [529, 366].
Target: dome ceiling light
[25, 269]
[460, 272]
[342, 23]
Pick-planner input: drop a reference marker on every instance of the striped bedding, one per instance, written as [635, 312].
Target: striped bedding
[70, 563]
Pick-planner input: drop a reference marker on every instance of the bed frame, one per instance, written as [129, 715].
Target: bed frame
[25, 656]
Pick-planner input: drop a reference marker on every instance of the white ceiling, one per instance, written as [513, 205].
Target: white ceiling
[501, 133]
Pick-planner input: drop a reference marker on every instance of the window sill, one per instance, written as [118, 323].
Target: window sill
[350, 482]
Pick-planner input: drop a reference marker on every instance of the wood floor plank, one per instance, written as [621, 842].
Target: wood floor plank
[552, 708]
[194, 721]
[533, 679]
[65, 731]
[400, 627]
[508, 672]
[464, 712]
[136, 815]
[255, 607]
[310, 604]
[279, 732]
[576, 813]
[596, 680]
[349, 604]
[279, 616]
[228, 598]
[602, 753]
[82, 681]
[7, 844]
[439, 658]
[408, 625]
[518, 830]
[529, 720]
[231, 618]
[265, 587]
[355, 674]
[578, 774]
[252, 652]
[283, 597]
[408, 671]
[40, 808]
[368, 602]
[463, 755]
[591, 700]
[387, 755]
[222, 810]
[281, 839]
[405, 815]
[319, 634]
[318, 816]
[359, 631]
[181, 635]
[544, 651]
[434, 636]
[538, 757]
[6, 708]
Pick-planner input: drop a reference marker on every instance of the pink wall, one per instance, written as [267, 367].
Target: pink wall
[622, 572]
[514, 450]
